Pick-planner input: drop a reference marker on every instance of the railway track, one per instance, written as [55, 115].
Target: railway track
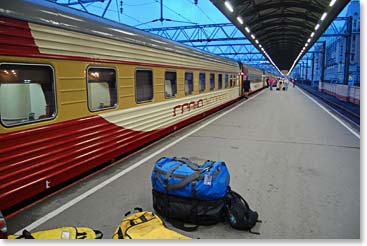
[348, 114]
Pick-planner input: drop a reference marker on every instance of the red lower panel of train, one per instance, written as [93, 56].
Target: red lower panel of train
[31, 161]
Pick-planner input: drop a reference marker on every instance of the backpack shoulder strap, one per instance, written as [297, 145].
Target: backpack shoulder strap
[246, 204]
[240, 197]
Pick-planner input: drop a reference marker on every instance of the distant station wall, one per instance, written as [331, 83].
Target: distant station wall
[343, 92]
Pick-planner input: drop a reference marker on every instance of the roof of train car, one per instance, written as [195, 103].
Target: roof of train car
[52, 14]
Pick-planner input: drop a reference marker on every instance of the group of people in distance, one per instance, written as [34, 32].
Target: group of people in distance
[279, 83]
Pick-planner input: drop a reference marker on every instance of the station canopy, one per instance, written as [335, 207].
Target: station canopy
[283, 30]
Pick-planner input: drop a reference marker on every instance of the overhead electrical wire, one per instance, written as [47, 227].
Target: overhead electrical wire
[203, 12]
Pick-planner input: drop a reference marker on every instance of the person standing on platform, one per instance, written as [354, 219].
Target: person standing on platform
[286, 83]
[271, 82]
[246, 87]
[294, 83]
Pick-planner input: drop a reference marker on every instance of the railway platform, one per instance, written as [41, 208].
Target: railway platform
[293, 160]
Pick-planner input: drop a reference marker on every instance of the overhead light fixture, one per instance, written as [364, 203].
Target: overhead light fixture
[323, 16]
[239, 19]
[229, 6]
[332, 2]
[247, 29]
[260, 46]
[252, 36]
[257, 41]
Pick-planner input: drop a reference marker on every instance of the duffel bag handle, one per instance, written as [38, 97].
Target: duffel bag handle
[187, 161]
[184, 182]
[26, 235]
[180, 225]
[99, 234]
[136, 209]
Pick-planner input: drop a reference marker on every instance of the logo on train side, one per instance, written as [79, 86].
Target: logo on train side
[193, 105]
[188, 106]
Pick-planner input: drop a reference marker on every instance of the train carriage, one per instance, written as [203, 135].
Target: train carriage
[77, 91]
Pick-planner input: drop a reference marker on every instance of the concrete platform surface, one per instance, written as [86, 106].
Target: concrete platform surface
[294, 163]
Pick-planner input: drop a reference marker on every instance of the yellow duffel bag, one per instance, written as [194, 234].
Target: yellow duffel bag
[144, 225]
[61, 233]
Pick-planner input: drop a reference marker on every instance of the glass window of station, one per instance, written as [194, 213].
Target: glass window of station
[27, 93]
[102, 88]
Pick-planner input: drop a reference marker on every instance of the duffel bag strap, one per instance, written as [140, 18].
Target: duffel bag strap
[188, 162]
[207, 168]
[168, 175]
[171, 170]
[184, 182]
[99, 234]
[180, 225]
[80, 235]
[26, 235]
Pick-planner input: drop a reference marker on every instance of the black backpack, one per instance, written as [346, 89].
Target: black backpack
[240, 216]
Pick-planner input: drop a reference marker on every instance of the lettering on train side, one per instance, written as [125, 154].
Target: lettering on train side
[215, 99]
[186, 107]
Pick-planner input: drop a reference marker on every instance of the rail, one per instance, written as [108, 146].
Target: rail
[345, 111]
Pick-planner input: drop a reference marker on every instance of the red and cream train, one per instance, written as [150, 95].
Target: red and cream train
[77, 91]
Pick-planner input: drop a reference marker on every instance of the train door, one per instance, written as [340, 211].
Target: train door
[243, 74]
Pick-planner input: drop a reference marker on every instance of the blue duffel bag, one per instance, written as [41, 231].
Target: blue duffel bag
[181, 177]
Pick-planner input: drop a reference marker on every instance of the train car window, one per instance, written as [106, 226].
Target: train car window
[201, 82]
[189, 83]
[102, 88]
[144, 85]
[170, 84]
[212, 81]
[231, 80]
[226, 80]
[27, 93]
[220, 81]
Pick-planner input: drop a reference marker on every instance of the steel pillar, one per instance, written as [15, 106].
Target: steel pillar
[347, 50]
[306, 67]
[323, 61]
[312, 66]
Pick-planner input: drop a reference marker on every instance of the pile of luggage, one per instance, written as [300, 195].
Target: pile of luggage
[185, 194]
